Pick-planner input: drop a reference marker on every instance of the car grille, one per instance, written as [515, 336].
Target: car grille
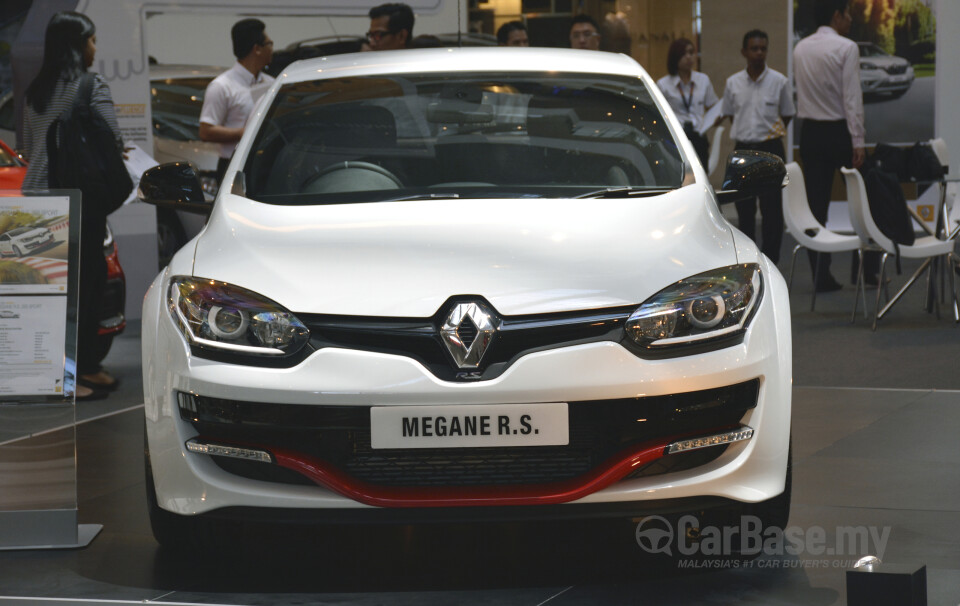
[340, 436]
[419, 338]
[896, 69]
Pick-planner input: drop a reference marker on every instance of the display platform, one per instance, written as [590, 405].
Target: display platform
[875, 419]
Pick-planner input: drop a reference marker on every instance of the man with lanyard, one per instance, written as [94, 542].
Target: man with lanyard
[830, 103]
[760, 102]
[228, 102]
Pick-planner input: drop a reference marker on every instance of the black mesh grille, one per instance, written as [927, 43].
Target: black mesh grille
[340, 436]
[467, 331]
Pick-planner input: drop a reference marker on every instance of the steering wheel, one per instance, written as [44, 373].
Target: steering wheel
[351, 175]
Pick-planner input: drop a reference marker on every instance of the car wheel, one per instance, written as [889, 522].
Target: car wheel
[184, 533]
[775, 512]
[170, 236]
[17, 251]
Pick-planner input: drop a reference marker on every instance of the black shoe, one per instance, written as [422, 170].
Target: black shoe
[828, 284]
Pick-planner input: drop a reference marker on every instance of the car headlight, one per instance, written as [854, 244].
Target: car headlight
[220, 316]
[716, 304]
[868, 66]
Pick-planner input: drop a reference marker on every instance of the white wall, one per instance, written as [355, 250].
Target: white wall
[947, 109]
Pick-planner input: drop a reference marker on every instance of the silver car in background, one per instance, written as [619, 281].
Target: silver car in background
[882, 73]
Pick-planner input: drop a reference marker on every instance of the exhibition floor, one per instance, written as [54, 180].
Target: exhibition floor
[876, 415]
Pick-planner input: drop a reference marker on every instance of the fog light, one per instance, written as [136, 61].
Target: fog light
[728, 437]
[223, 450]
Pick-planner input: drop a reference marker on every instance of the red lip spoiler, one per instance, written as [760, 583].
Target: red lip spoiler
[468, 496]
[326, 475]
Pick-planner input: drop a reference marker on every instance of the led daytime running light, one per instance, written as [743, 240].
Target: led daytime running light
[739, 435]
[235, 452]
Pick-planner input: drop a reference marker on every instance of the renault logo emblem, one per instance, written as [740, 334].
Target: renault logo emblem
[467, 332]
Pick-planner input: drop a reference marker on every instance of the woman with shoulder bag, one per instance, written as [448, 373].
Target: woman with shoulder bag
[689, 93]
[69, 49]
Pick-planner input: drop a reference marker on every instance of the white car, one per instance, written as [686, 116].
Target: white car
[449, 279]
[883, 73]
[23, 241]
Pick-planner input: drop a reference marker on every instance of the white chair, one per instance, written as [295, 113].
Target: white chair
[949, 191]
[928, 248]
[807, 231]
[714, 159]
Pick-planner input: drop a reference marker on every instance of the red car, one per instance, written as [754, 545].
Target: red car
[112, 321]
[12, 168]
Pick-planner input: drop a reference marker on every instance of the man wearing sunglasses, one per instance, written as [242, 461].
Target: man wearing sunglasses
[391, 26]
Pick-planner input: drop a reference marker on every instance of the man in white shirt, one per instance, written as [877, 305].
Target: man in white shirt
[829, 101]
[584, 33]
[391, 27]
[228, 102]
[513, 33]
[760, 101]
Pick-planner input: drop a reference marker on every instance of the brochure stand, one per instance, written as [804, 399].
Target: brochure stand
[39, 278]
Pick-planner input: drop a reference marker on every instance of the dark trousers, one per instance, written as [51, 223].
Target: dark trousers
[771, 206]
[824, 148]
[93, 280]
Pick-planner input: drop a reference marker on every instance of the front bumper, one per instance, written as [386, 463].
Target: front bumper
[191, 483]
[882, 82]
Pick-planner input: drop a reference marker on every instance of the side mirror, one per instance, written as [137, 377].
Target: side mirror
[751, 173]
[175, 186]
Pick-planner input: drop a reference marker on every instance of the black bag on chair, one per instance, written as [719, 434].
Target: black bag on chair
[890, 159]
[923, 163]
[888, 207]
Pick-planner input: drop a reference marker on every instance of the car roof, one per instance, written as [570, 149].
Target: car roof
[487, 59]
[163, 71]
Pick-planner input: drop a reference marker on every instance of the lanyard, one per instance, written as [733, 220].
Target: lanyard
[687, 102]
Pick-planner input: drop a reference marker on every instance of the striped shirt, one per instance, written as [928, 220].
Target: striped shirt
[36, 125]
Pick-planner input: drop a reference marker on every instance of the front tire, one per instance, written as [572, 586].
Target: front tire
[180, 533]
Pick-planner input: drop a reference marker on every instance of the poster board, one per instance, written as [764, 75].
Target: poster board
[39, 280]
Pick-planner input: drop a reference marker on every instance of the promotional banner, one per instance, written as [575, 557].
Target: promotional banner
[34, 237]
[897, 40]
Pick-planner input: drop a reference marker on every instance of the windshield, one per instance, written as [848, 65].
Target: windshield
[411, 136]
[175, 104]
[871, 50]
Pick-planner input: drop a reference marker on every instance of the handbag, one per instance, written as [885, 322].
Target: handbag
[84, 154]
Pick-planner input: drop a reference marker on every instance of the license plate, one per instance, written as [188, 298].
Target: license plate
[469, 426]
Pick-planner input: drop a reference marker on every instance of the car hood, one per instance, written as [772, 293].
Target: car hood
[884, 62]
[405, 259]
[37, 232]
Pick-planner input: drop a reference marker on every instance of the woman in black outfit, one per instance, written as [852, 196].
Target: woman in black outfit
[69, 48]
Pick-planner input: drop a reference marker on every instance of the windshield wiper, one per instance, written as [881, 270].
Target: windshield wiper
[624, 192]
[449, 196]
